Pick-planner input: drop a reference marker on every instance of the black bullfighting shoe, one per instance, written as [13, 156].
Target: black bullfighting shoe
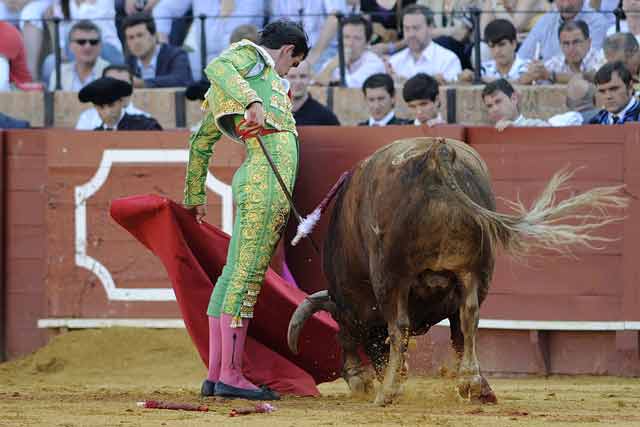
[231, 392]
[208, 388]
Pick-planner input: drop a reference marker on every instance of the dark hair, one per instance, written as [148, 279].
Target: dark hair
[605, 73]
[282, 32]
[137, 19]
[359, 20]
[574, 25]
[500, 85]
[420, 86]
[416, 9]
[498, 30]
[117, 67]
[378, 80]
[85, 25]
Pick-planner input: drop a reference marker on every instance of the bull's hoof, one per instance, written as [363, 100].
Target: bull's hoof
[383, 399]
[477, 390]
[361, 385]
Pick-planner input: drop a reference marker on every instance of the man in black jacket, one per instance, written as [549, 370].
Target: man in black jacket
[615, 88]
[154, 64]
[379, 92]
[306, 110]
[107, 95]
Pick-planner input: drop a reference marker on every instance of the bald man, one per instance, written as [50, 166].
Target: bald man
[306, 110]
[580, 102]
[623, 47]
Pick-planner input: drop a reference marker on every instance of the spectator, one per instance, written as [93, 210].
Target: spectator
[422, 94]
[107, 95]
[90, 119]
[84, 41]
[306, 110]
[197, 91]
[125, 8]
[242, 32]
[385, 24]
[101, 12]
[423, 55]
[455, 29]
[501, 38]
[544, 35]
[615, 92]
[10, 10]
[318, 17]
[521, 13]
[501, 101]
[631, 24]
[14, 58]
[577, 56]
[360, 62]
[379, 93]
[623, 47]
[8, 122]
[155, 64]
[223, 16]
[580, 102]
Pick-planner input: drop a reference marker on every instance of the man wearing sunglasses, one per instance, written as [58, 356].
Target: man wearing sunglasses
[85, 43]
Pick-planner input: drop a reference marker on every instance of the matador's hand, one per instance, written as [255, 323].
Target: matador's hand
[254, 115]
[199, 211]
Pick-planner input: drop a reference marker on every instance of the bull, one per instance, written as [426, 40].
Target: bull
[412, 241]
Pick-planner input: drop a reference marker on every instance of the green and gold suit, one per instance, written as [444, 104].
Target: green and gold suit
[241, 75]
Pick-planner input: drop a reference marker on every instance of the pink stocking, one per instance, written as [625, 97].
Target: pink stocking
[233, 340]
[215, 344]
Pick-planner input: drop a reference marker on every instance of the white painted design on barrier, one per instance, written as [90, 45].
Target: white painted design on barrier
[85, 191]
[539, 325]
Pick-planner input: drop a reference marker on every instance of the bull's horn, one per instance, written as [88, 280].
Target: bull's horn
[319, 301]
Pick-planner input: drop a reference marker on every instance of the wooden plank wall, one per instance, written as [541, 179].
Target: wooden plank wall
[25, 245]
[43, 168]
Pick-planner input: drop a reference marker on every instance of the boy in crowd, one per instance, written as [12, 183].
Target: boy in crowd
[615, 90]
[379, 92]
[108, 96]
[501, 101]
[421, 93]
[501, 37]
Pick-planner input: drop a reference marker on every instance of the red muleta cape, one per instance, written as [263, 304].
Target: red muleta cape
[193, 255]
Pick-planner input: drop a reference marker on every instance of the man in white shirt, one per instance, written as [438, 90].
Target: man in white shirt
[422, 95]
[577, 56]
[85, 43]
[501, 37]
[379, 93]
[90, 119]
[501, 101]
[360, 62]
[423, 55]
[580, 103]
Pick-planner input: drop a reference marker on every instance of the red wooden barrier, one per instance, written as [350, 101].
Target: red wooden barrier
[58, 181]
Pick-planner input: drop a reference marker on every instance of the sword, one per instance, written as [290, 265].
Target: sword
[283, 186]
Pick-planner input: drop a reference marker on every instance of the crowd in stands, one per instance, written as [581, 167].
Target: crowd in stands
[412, 46]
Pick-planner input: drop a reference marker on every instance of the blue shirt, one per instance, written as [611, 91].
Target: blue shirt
[546, 33]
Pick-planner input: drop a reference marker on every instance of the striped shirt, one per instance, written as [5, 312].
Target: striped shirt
[519, 67]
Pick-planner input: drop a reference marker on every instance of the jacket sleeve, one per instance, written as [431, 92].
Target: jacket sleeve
[228, 72]
[177, 72]
[201, 145]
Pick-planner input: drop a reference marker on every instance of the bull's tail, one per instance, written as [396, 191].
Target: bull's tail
[305, 227]
[549, 224]
[319, 301]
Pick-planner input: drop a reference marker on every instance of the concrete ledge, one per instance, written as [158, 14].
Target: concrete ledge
[540, 325]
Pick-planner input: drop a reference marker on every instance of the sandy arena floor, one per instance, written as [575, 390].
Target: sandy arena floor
[95, 378]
